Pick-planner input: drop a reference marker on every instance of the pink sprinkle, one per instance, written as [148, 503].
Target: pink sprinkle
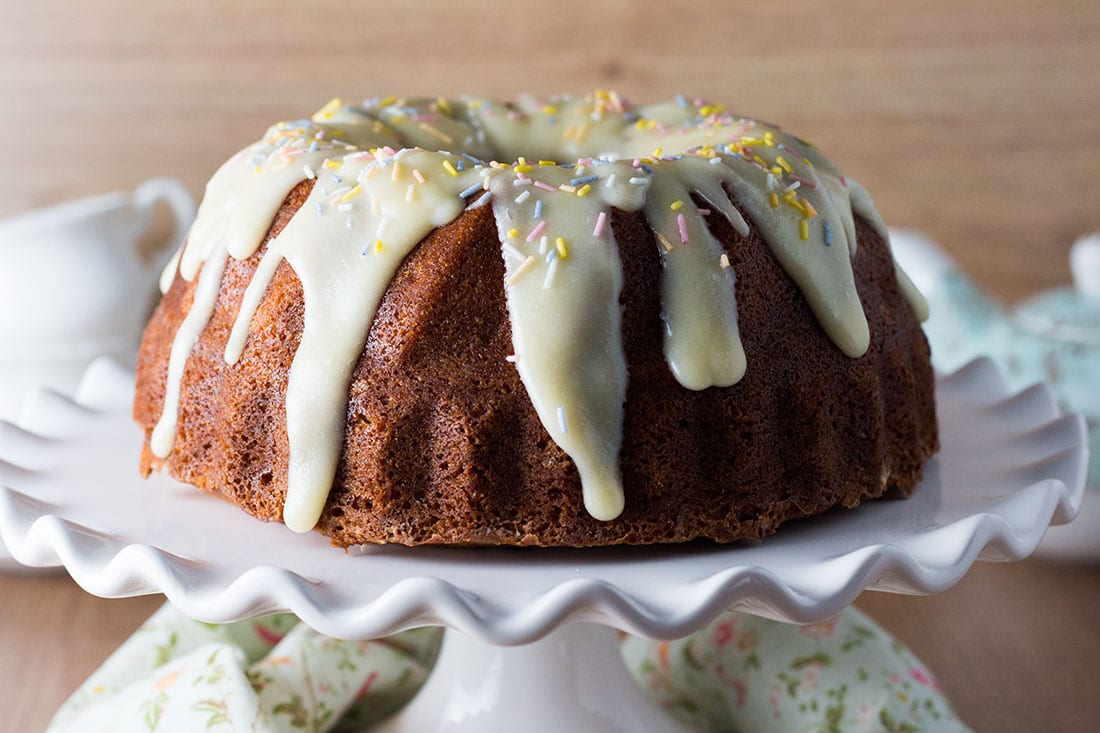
[637, 163]
[682, 223]
[601, 224]
[545, 186]
[536, 231]
[704, 212]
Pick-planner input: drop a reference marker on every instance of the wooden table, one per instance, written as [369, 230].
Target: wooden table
[975, 122]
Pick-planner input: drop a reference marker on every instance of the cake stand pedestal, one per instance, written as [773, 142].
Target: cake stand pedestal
[533, 640]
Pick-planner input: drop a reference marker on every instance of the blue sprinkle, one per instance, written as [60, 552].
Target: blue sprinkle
[581, 180]
[472, 159]
[551, 120]
[471, 190]
[683, 103]
[461, 165]
[647, 169]
[483, 199]
[538, 208]
[631, 116]
[313, 146]
[320, 209]
[828, 233]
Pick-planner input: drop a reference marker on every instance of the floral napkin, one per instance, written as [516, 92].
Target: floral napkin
[275, 675]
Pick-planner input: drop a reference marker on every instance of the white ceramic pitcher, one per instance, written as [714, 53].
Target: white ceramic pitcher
[74, 285]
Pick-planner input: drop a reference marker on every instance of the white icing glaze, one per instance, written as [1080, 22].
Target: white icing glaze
[384, 179]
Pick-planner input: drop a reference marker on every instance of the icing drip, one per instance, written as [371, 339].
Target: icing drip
[382, 180]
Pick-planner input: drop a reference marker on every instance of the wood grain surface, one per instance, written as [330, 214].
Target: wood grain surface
[976, 122]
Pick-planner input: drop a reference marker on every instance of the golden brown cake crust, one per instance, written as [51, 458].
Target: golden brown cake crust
[444, 446]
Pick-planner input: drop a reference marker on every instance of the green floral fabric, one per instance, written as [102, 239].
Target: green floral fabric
[275, 675]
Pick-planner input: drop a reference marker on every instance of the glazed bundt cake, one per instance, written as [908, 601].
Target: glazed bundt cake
[650, 324]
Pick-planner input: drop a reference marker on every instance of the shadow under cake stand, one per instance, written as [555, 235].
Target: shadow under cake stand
[536, 643]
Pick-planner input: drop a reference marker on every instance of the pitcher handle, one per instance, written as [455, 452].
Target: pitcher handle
[178, 198]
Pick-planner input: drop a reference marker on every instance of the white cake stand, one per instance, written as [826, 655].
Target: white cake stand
[536, 643]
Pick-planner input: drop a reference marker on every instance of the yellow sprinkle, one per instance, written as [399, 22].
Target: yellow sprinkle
[582, 131]
[256, 170]
[387, 101]
[522, 270]
[746, 140]
[450, 168]
[351, 194]
[758, 159]
[329, 110]
[769, 139]
[785, 164]
[774, 200]
[513, 233]
[444, 106]
[436, 132]
[664, 242]
[523, 168]
[332, 164]
[410, 193]
[395, 175]
[418, 175]
[807, 162]
[567, 188]
[547, 162]
[569, 132]
[549, 109]
[809, 208]
[677, 205]
[378, 246]
[724, 261]
[559, 243]
[777, 170]
[583, 190]
[803, 230]
[657, 152]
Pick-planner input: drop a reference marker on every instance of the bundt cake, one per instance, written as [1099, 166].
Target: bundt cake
[650, 324]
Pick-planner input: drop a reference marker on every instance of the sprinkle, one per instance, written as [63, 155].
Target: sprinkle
[547, 162]
[418, 176]
[724, 261]
[785, 164]
[681, 223]
[522, 182]
[444, 106]
[410, 193]
[320, 209]
[523, 197]
[803, 230]
[450, 168]
[561, 419]
[638, 181]
[716, 160]
[610, 180]
[538, 208]
[793, 187]
[567, 188]
[677, 205]
[344, 207]
[664, 242]
[810, 210]
[681, 102]
[511, 251]
[828, 233]
[512, 358]
[601, 224]
[395, 175]
[583, 190]
[470, 191]
[581, 180]
[522, 270]
[544, 186]
[536, 231]
[544, 244]
[382, 224]
[559, 244]
[375, 206]
[483, 199]
[551, 271]
[774, 200]
[308, 171]
[349, 223]
[331, 164]
[513, 233]
[378, 246]
[352, 193]
[436, 133]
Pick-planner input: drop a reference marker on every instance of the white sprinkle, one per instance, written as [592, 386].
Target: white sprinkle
[523, 197]
[511, 358]
[551, 270]
[344, 208]
[792, 187]
[350, 223]
[511, 251]
[561, 419]
[772, 182]
[522, 182]
[375, 206]
[544, 244]
[715, 160]
[320, 209]
[308, 171]
[724, 261]
[341, 191]
[610, 180]
[410, 193]
[382, 224]
[638, 181]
